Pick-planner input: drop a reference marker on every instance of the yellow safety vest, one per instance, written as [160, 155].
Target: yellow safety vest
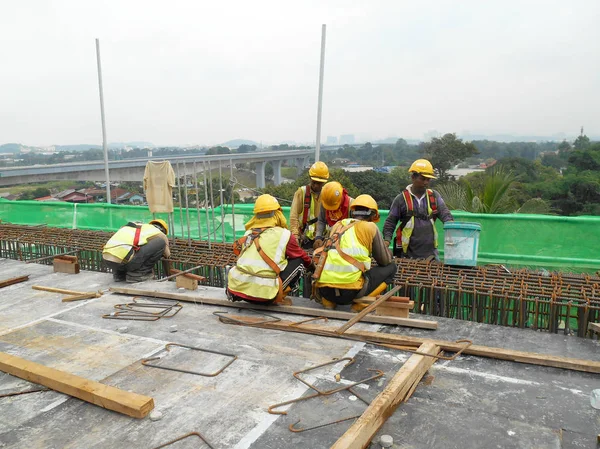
[252, 276]
[338, 271]
[120, 244]
[407, 230]
[311, 229]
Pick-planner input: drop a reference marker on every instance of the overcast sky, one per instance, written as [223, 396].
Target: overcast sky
[199, 72]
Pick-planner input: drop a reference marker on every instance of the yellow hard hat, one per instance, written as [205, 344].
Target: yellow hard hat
[368, 202]
[266, 203]
[331, 195]
[422, 167]
[162, 223]
[319, 172]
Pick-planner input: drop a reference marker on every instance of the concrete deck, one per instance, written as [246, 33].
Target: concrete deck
[471, 402]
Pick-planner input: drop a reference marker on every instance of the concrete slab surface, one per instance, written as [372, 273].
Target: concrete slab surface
[470, 402]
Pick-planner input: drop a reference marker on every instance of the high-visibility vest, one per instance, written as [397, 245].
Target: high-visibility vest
[407, 225]
[252, 275]
[309, 217]
[340, 270]
[123, 244]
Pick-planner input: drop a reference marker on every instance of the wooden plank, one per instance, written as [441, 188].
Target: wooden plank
[57, 290]
[391, 311]
[531, 358]
[81, 297]
[12, 281]
[296, 310]
[360, 434]
[366, 310]
[594, 327]
[184, 282]
[111, 398]
[187, 275]
[391, 305]
[65, 266]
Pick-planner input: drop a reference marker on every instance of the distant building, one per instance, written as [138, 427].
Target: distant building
[346, 139]
[331, 140]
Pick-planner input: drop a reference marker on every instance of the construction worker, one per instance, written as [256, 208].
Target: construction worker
[306, 206]
[134, 249]
[336, 206]
[344, 271]
[270, 262]
[416, 208]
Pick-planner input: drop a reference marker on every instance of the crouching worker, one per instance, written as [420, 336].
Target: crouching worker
[270, 263]
[344, 271]
[134, 249]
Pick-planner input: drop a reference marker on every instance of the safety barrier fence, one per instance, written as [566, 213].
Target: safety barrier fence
[534, 241]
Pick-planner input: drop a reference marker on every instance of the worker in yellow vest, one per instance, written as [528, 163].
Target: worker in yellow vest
[344, 272]
[306, 206]
[134, 249]
[336, 206]
[270, 263]
[416, 208]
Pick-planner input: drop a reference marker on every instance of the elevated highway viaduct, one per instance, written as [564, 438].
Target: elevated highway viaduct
[133, 169]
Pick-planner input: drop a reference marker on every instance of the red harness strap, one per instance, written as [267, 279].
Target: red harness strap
[410, 212]
[136, 238]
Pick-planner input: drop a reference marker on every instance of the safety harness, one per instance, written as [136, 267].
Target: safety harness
[307, 200]
[243, 243]
[333, 241]
[410, 213]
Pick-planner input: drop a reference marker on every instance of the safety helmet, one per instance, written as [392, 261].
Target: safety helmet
[319, 172]
[368, 202]
[422, 167]
[266, 203]
[162, 223]
[332, 195]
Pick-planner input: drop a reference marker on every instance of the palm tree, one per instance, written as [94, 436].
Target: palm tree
[488, 194]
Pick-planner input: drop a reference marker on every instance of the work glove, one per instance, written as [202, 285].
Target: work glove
[312, 267]
[318, 243]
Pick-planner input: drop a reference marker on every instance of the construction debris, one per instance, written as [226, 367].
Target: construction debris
[11, 281]
[297, 310]
[111, 398]
[398, 390]
[398, 341]
[73, 295]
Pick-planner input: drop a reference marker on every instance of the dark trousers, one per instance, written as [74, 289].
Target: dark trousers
[142, 262]
[373, 278]
[290, 277]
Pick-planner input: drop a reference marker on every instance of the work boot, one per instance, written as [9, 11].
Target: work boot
[359, 306]
[119, 276]
[328, 304]
[133, 277]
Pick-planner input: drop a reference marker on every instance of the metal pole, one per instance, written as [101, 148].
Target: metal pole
[212, 196]
[206, 204]
[232, 184]
[179, 190]
[187, 206]
[320, 106]
[197, 201]
[104, 144]
[221, 201]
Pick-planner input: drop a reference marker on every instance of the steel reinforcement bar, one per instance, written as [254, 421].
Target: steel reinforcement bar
[487, 294]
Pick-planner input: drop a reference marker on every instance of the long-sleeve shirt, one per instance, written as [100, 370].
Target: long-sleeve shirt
[322, 226]
[293, 251]
[421, 243]
[297, 209]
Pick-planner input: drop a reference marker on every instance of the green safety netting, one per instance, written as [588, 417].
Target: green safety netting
[568, 243]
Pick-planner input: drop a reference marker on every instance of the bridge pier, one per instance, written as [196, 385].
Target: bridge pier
[276, 172]
[260, 175]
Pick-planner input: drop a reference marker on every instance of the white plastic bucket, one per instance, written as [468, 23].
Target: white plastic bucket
[461, 243]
